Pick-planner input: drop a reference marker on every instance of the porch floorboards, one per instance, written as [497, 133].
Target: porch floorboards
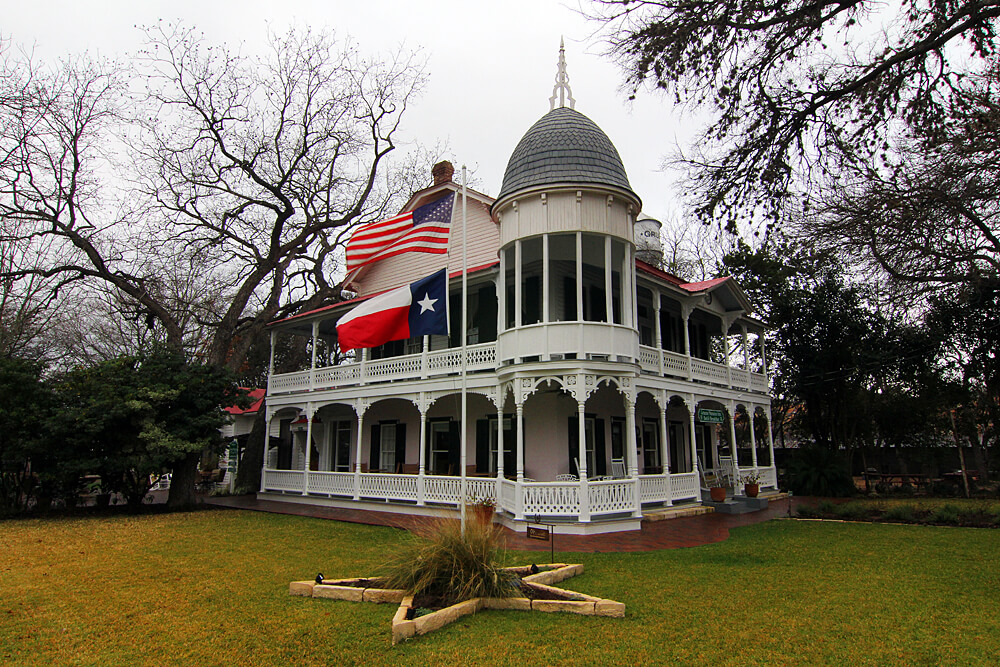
[676, 533]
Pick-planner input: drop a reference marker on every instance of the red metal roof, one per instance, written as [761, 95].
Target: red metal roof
[704, 285]
[256, 395]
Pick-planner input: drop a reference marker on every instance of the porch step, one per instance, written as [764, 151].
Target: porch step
[675, 512]
[739, 505]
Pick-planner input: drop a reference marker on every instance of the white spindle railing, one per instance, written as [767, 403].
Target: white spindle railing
[443, 362]
[707, 371]
[649, 358]
[332, 483]
[768, 477]
[441, 489]
[388, 487]
[758, 382]
[611, 496]
[675, 364]
[508, 496]
[684, 485]
[652, 488]
[284, 480]
[551, 498]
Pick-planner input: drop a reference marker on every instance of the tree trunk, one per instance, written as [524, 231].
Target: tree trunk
[248, 473]
[182, 480]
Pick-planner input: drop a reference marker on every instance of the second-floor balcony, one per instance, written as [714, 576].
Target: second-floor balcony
[483, 357]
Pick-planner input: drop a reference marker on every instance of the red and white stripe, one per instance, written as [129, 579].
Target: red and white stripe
[395, 236]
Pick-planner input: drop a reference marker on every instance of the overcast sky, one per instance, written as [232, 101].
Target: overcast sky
[491, 64]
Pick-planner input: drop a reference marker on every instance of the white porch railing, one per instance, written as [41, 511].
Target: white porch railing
[442, 362]
[650, 359]
[332, 483]
[684, 485]
[768, 477]
[615, 496]
[283, 480]
[611, 496]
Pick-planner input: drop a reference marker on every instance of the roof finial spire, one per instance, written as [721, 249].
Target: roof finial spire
[562, 89]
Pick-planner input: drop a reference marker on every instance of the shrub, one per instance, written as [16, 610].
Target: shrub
[826, 507]
[901, 513]
[807, 512]
[853, 511]
[454, 564]
[947, 514]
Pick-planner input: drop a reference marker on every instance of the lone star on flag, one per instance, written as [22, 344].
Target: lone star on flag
[427, 303]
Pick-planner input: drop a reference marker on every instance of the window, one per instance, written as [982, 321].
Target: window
[340, 445]
[509, 262]
[593, 445]
[562, 277]
[703, 443]
[388, 447]
[680, 450]
[442, 447]
[387, 461]
[595, 308]
[650, 439]
[531, 281]
[644, 307]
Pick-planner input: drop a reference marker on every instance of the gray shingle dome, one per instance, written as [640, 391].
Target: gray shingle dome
[564, 146]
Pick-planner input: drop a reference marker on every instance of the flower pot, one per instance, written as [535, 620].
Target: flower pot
[483, 513]
[718, 494]
[751, 490]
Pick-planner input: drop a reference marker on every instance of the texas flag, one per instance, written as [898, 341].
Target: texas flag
[417, 309]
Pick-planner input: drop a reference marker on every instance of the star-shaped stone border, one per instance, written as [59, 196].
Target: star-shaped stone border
[403, 629]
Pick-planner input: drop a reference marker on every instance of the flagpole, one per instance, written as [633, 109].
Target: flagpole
[465, 328]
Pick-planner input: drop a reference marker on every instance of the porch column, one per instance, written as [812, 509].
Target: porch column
[725, 348]
[734, 450]
[267, 441]
[658, 332]
[500, 450]
[424, 353]
[746, 348]
[312, 360]
[359, 410]
[309, 434]
[770, 443]
[665, 450]
[633, 454]
[422, 454]
[364, 366]
[753, 438]
[582, 458]
[763, 359]
[270, 363]
[686, 316]
[692, 441]
[519, 495]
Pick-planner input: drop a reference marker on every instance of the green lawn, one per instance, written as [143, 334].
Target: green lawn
[210, 588]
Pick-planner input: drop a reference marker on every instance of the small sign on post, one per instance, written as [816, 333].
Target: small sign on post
[543, 532]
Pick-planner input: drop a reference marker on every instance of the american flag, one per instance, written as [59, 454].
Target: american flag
[424, 229]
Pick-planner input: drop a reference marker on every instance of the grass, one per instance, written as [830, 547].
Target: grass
[210, 588]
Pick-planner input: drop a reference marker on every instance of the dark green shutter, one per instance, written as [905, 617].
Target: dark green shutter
[487, 314]
[574, 444]
[483, 446]
[454, 443]
[510, 447]
[400, 446]
[375, 455]
[599, 450]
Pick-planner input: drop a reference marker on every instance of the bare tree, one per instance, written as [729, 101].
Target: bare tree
[243, 176]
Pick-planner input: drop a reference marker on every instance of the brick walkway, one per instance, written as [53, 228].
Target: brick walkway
[668, 534]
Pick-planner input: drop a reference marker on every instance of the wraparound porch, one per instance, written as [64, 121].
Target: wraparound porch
[586, 500]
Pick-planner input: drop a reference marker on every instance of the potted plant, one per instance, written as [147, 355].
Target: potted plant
[483, 508]
[717, 489]
[751, 484]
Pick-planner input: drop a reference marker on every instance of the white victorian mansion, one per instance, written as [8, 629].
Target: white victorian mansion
[600, 387]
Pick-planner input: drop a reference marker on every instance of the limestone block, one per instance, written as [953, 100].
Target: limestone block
[383, 595]
[443, 617]
[402, 629]
[610, 608]
[348, 593]
[517, 604]
[304, 588]
[570, 606]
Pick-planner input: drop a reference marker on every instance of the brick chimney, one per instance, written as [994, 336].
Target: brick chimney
[442, 172]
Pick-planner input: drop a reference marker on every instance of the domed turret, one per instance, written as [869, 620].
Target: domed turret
[564, 147]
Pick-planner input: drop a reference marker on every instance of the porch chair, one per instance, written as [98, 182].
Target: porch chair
[618, 468]
[567, 477]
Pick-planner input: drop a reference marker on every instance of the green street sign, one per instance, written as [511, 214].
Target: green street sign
[706, 416]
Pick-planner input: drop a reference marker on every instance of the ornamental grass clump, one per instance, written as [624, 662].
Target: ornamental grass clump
[446, 562]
